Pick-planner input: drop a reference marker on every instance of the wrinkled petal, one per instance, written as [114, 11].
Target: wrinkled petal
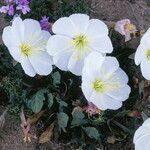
[6, 36]
[96, 28]
[80, 21]
[75, 65]
[139, 55]
[101, 44]
[90, 61]
[112, 65]
[40, 42]
[104, 102]
[18, 29]
[58, 43]
[61, 60]
[64, 26]
[120, 94]
[143, 144]
[122, 76]
[42, 63]
[15, 53]
[27, 67]
[32, 29]
[145, 68]
[86, 90]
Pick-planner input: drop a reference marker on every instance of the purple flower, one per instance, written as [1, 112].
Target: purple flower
[22, 2]
[24, 8]
[4, 9]
[11, 10]
[45, 25]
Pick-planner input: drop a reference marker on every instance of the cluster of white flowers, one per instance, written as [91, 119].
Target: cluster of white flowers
[78, 45]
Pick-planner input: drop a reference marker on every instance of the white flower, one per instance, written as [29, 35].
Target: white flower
[76, 37]
[142, 55]
[142, 136]
[26, 43]
[103, 82]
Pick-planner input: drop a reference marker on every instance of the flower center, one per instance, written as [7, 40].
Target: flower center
[25, 49]
[98, 86]
[80, 42]
[148, 54]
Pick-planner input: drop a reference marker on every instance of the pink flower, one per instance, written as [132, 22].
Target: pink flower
[4, 9]
[91, 109]
[45, 25]
[124, 27]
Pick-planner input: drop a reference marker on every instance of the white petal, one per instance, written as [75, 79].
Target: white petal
[139, 55]
[120, 94]
[143, 144]
[40, 41]
[146, 37]
[15, 53]
[146, 123]
[32, 29]
[101, 44]
[122, 76]
[96, 28]
[86, 89]
[145, 68]
[92, 64]
[6, 36]
[140, 133]
[98, 101]
[58, 43]
[61, 60]
[41, 62]
[27, 67]
[80, 21]
[104, 102]
[109, 66]
[64, 26]
[75, 65]
[18, 30]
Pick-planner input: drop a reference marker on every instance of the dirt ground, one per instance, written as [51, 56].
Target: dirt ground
[138, 11]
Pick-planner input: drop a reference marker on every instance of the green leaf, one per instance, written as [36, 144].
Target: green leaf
[36, 102]
[62, 120]
[56, 78]
[50, 100]
[78, 117]
[92, 132]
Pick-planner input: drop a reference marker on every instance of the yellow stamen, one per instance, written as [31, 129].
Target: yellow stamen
[98, 86]
[25, 49]
[80, 42]
[148, 54]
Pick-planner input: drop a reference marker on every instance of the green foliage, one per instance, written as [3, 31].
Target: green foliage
[36, 101]
[62, 121]
[78, 117]
[50, 100]
[56, 78]
[56, 8]
[92, 132]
